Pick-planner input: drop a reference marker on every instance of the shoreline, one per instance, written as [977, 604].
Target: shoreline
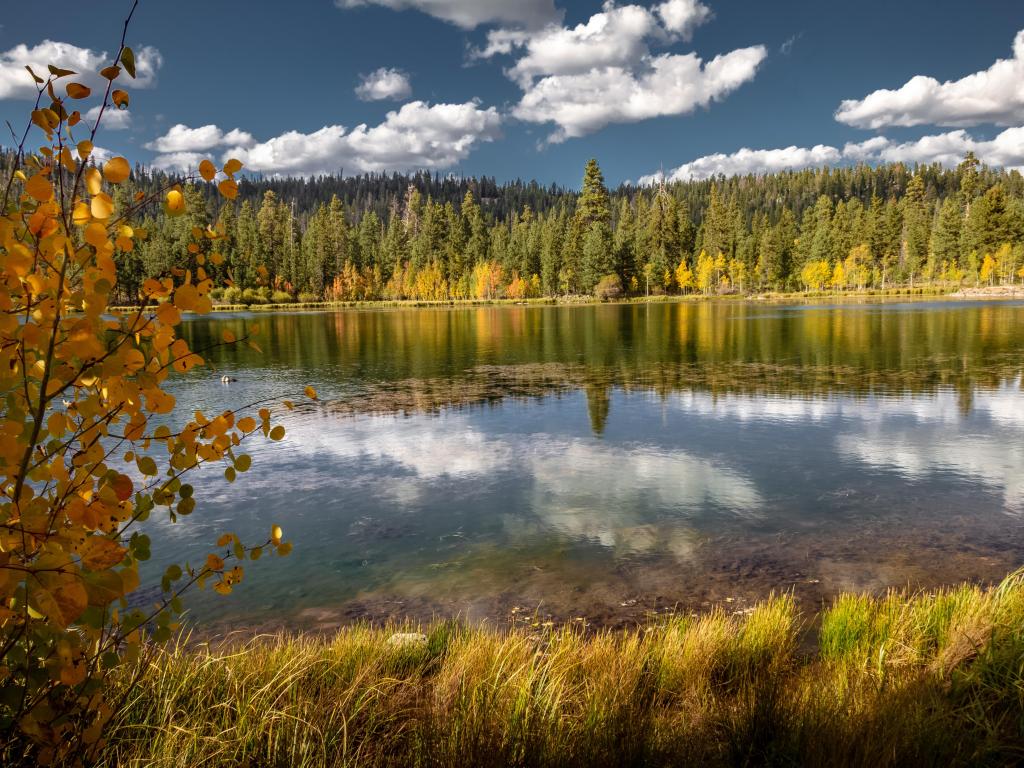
[809, 297]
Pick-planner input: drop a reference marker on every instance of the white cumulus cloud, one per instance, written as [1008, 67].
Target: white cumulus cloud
[384, 83]
[417, 136]
[746, 161]
[16, 83]
[681, 17]
[993, 96]
[1005, 150]
[113, 119]
[603, 71]
[669, 85]
[469, 14]
[181, 138]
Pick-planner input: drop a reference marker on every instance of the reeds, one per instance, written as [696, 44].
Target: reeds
[896, 680]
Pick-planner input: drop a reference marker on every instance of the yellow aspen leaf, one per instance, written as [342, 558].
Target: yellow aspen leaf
[67, 160]
[288, 404]
[116, 170]
[63, 604]
[40, 188]
[96, 235]
[158, 401]
[168, 314]
[185, 297]
[100, 553]
[110, 73]
[284, 549]
[19, 260]
[243, 462]
[277, 433]
[232, 167]
[276, 534]
[310, 393]
[214, 563]
[78, 91]
[224, 540]
[174, 203]
[93, 181]
[84, 149]
[207, 170]
[222, 588]
[134, 360]
[228, 188]
[101, 206]
[81, 216]
[124, 243]
[247, 424]
[74, 118]
[120, 99]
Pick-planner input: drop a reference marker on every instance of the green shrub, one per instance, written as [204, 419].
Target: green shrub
[249, 296]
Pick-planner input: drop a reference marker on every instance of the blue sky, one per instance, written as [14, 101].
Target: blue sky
[532, 89]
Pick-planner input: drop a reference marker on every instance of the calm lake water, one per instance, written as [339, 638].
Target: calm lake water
[612, 461]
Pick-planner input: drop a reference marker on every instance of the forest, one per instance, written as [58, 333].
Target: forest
[433, 238]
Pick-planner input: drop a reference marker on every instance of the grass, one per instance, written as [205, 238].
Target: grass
[922, 679]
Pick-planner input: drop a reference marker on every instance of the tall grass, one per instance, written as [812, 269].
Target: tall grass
[933, 679]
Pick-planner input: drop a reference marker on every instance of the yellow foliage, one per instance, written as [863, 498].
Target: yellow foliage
[82, 382]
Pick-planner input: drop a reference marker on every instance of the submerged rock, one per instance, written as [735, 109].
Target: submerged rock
[407, 640]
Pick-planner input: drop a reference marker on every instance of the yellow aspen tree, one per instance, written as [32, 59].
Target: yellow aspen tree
[90, 446]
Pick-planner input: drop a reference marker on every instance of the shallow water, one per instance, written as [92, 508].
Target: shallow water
[612, 461]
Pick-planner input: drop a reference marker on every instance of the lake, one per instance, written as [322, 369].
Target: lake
[610, 462]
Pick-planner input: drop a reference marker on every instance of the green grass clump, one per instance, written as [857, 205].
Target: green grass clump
[934, 679]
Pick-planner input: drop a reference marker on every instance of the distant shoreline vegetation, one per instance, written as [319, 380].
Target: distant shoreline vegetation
[423, 238]
[901, 292]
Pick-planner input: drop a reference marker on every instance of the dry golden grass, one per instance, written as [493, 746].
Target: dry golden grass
[897, 680]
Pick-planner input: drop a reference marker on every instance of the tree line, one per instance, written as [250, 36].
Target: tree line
[427, 237]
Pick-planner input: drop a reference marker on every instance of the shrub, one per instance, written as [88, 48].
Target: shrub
[281, 297]
[609, 288]
[232, 295]
[72, 374]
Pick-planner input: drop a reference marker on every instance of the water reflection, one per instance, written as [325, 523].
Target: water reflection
[606, 457]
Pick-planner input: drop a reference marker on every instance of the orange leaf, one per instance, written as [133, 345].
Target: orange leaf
[207, 170]
[78, 91]
[228, 188]
[39, 187]
[100, 553]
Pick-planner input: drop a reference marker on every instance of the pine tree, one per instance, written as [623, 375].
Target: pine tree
[915, 228]
[593, 231]
[945, 243]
